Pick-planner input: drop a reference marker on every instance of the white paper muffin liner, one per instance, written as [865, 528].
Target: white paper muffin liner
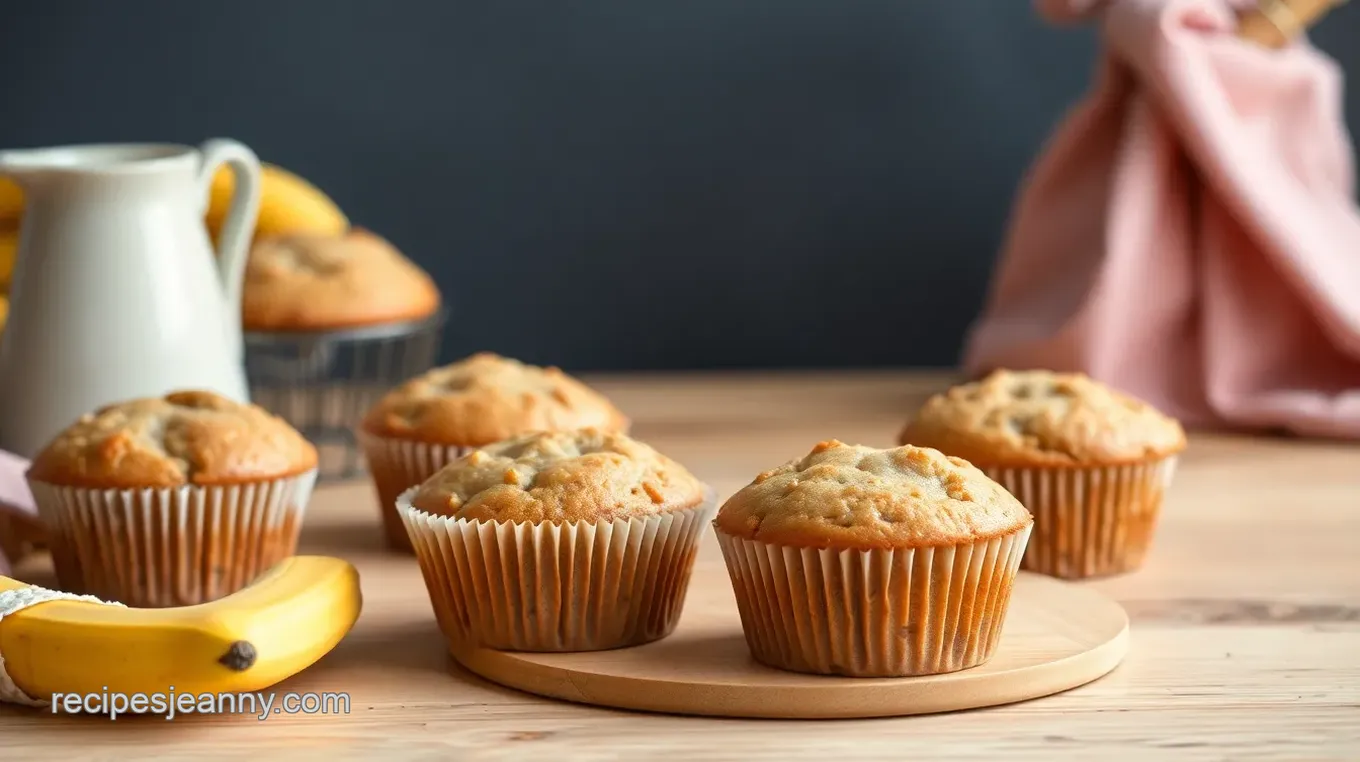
[873, 613]
[1089, 522]
[172, 546]
[396, 465]
[556, 587]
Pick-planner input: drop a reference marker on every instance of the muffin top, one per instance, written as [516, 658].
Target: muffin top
[486, 398]
[310, 282]
[187, 437]
[1041, 418]
[854, 497]
[560, 477]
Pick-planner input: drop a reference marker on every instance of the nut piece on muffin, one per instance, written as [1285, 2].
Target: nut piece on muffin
[1090, 462]
[172, 501]
[308, 282]
[429, 421]
[557, 541]
[903, 561]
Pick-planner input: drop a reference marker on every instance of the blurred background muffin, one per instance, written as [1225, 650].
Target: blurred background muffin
[310, 282]
[333, 315]
[431, 420]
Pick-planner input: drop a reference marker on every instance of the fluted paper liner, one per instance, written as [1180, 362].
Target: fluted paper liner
[171, 546]
[556, 587]
[396, 465]
[873, 613]
[1089, 522]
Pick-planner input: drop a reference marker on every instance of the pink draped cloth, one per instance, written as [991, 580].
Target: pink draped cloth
[1190, 233]
[19, 524]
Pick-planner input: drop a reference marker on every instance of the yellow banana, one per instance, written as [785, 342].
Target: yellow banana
[288, 204]
[9, 249]
[11, 202]
[277, 627]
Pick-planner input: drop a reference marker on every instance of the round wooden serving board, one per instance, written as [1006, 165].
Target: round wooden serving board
[1058, 635]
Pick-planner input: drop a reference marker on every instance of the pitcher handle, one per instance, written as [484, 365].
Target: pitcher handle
[233, 243]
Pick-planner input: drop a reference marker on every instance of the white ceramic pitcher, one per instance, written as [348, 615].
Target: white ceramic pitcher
[116, 293]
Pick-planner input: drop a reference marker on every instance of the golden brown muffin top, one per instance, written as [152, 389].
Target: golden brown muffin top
[1041, 418]
[855, 497]
[187, 437]
[560, 477]
[486, 398]
[310, 282]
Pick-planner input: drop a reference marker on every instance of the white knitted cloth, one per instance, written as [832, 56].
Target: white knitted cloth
[13, 601]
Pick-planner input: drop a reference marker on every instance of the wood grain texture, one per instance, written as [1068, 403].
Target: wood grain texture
[1058, 635]
[1245, 640]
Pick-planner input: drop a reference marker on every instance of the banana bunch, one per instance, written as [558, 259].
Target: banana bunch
[288, 204]
[11, 209]
[282, 624]
[11, 200]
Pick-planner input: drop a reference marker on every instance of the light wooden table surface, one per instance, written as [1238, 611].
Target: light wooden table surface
[1245, 638]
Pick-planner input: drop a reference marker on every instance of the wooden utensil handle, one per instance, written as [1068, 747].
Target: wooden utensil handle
[1275, 23]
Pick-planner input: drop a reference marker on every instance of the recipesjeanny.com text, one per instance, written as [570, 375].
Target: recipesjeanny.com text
[172, 704]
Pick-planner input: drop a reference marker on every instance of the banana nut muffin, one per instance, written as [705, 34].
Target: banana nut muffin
[863, 562]
[186, 437]
[1041, 418]
[427, 422]
[557, 541]
[174, 500]
[560, 477]
[1090, 462]
[310, 282]
[486, 398]
[849, 496]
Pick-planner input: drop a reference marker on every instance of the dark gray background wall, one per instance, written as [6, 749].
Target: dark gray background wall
[615, 183]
